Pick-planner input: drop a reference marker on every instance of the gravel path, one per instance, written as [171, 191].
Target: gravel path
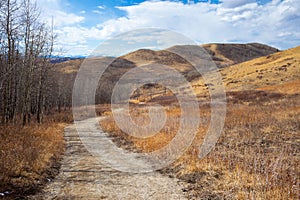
[83, 176]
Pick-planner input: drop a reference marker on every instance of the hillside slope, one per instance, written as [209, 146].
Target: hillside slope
[225, 55]
[272, 73]
[273, 70]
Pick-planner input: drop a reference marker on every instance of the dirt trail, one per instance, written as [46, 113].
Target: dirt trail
[83, 176]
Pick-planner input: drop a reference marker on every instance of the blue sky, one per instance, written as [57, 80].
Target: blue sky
[81, 25]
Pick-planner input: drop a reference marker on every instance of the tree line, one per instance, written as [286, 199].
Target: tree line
[29, 88]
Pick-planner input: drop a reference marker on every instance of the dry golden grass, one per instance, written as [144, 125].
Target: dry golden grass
[257, 155]
[260, 150]
[291, 87]
[269, 70]
[278, 68]
[30, 155]
[140, 116]
[69, 67]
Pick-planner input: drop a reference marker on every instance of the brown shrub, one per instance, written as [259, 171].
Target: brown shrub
[29, 155]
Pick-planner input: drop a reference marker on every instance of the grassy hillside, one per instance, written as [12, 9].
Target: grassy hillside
[276, 70]
[257, 155]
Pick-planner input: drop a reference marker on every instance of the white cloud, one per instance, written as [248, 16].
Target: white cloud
[53, 9]
[236, 3]
[49, 4]
[62, 18]
[71, 50]
[78, 35]
[68, 38]
[275, 23]
[169, 15]
[198, 21]
[149, 38]
[100, 10]
[244, 22]
[97, 12]
[101, 7]
[74, 40]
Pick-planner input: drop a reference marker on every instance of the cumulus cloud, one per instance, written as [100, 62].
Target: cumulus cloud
[149, 38]
[195, 19]
[65, 25]
[52, 9]
[243, 21]
[62, 18]
[76, 35]
[274, 23]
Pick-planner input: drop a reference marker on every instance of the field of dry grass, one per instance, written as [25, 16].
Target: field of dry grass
[30, 155]
[257, 156]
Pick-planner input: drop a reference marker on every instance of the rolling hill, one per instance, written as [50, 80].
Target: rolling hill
[229, 57]
[223, 54]
[272, 73]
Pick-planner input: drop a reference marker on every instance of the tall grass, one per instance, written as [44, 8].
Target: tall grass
[29, 155]
[256, 157]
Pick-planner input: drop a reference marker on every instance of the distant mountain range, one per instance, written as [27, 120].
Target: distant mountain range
[60, 59]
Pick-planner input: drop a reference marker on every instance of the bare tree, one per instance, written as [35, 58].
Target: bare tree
[26, 46]
[10, 40]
